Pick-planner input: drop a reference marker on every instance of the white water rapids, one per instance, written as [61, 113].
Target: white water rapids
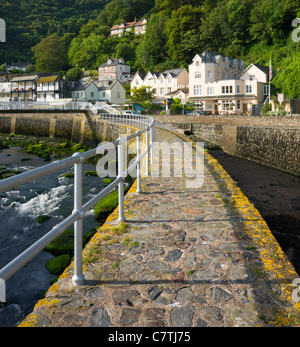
[51, 195]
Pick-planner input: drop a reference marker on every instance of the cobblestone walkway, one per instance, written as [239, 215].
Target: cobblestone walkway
[186, 258]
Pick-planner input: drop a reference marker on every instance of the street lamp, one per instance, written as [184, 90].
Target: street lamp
[147, 91]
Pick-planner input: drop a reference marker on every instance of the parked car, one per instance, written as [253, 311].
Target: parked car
[131, 113]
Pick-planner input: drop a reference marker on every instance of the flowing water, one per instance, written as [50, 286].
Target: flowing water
[51, 195]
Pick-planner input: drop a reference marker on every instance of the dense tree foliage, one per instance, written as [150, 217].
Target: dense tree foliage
[252, 30]
[50, 54]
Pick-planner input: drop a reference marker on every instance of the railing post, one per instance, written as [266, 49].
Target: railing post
[120, 174]
[147, 153]
[138, 168]
[152, 144]
[78, 277]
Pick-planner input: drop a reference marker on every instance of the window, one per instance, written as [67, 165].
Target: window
[197, 74]
[169, 80]
[118, 95]
[208, 74]
[248, 89]
[169, 90]
[210, 90]
[92, 94]
[252, 77]
[238, 105]
[197, 90]
[266, 89]
[238, 89]
[209, 106]
[227, 90]
[226, 105]
[223, 76]
[161, 91]
[197, 63]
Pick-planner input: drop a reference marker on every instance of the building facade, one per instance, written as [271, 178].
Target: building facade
[114, 69]
[162, 83]
[51, 88]
[23, 88]
[221, 85]
[137, 27]
[112, 93]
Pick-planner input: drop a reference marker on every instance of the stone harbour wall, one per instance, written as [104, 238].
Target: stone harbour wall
[270, 141]
[84, 127]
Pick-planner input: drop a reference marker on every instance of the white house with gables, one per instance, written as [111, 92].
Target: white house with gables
[221, 84]
[112, 93]
[162, 83]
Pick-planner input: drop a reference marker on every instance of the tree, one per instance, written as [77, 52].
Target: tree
[152, 50]
[50, 54]
[74, 74]
[141, 96]
[88, 52]
[183, 31]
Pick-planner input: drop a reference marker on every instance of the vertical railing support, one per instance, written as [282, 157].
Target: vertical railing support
[78, 277]
[138, 167]
[147, 153]
[152, 144]
[121, 184]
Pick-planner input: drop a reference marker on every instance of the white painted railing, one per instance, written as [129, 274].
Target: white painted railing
[55, 105]
[146, 125]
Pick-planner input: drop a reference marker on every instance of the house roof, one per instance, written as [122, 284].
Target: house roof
[264, 69]
[129, 24]
[212, 58]
[172, 72]
[175, 92]
[24, 78]
[140, 74]
[81, 86]
[113, 62]
[47, 79]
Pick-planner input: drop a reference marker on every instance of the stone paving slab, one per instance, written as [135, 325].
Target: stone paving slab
[185, 258]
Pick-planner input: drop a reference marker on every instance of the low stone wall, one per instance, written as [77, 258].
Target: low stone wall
[84, 127]
[271, 141]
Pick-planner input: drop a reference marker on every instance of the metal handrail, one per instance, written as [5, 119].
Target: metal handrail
[146, 124]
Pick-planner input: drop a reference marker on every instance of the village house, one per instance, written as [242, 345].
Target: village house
[162, 83]
[221, 85]
[112, 93]
[50, 88]
[23, 88]
[114, 69]
[138, 27]
[5, 89]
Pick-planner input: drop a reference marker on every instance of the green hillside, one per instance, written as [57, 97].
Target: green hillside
[28, 21]
[252, 30]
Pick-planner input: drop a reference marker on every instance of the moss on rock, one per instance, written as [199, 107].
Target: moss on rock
[57, 265]
[43, 218]
[63, 244]
[108, 204]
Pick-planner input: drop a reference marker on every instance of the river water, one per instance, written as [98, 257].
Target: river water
[51, 195]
